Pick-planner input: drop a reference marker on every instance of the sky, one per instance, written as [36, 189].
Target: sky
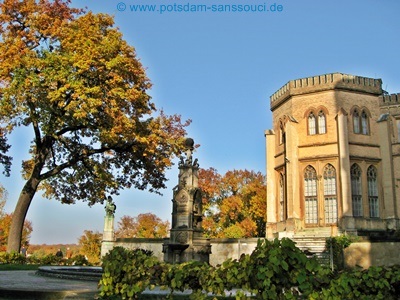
[219, 70]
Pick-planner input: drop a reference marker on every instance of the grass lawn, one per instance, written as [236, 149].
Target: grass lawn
[15, 267]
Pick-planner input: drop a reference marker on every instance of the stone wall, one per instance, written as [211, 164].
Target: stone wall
[154, 245]
[366, 254]
[221, 249]
[363, 254]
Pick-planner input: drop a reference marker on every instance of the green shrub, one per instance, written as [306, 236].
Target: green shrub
[337, 244]
[78, 260]
[12, 258]
[275, 270]
[280, 270]
[373, 283]
[34, 259]
[50, 259]
[127, 273]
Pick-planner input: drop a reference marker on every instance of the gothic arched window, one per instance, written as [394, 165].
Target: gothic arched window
[316, 123]
[364, 123]
[360, 122]
[312, 126]
[373, 200]
[356, 190]
[310, 194]
[356, 122]
[321, 123]
[330, 197]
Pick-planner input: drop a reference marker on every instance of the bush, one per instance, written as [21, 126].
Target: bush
[275, 270]
[50, 259]
[374, 283]
[78, 260]
[127, 273]
[12, 258]
[34, 260]
[280, 270]
[337, 244]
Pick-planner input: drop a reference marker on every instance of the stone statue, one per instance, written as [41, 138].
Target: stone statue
[189, 144]
[110, 207]
[196, 163]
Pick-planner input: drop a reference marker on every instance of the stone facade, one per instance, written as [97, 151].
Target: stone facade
[333, 157]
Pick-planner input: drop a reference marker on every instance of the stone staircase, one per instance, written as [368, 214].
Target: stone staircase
[312, 242]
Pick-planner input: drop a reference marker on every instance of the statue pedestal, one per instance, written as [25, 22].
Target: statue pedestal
[108, 235]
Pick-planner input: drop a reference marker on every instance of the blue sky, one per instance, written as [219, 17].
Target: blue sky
[219, 70]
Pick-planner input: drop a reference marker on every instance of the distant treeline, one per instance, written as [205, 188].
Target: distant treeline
[44, 249]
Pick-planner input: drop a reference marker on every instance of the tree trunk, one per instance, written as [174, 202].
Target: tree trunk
[18, 217]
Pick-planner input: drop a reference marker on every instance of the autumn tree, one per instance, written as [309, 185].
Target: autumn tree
[3, 199]
[72, 80]
[5, 223]
[234, 204]
[90, 245]
[143, 226]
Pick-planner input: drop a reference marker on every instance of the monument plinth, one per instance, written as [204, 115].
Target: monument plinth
[108, 232]
[186, 241]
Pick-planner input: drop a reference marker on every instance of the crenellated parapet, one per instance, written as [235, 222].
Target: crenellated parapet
[325, 82]
[389, 100]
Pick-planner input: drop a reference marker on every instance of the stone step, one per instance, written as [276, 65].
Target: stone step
[313, 234]
[312, 241]
[312, 248]
[310, 244]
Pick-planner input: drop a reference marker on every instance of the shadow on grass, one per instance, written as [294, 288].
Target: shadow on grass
[16, 267]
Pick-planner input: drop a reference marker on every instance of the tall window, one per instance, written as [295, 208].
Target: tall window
[356, 122]
[281, 197]
[373, 192]
[316, 125]
[312, 128]
[364, 123]
[310, 188]
[330, 194]
[360, 122]
[321, 122]
[356, 190]
[398, 130]
[281, 133]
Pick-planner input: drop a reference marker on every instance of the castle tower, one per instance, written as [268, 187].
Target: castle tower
[332, 157]
[186, 242]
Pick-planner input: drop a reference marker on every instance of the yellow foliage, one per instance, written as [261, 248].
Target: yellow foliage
[70, 77]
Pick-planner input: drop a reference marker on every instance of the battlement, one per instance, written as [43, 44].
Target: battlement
[389, 100]
[326, 82]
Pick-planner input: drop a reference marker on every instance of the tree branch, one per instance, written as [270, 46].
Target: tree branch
[56, 170]
[35, 124]
[70, 129]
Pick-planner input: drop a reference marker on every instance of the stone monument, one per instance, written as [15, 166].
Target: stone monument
[186, 241]
[108, 232]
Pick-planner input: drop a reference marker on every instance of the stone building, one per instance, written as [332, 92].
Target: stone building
[333, 158]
